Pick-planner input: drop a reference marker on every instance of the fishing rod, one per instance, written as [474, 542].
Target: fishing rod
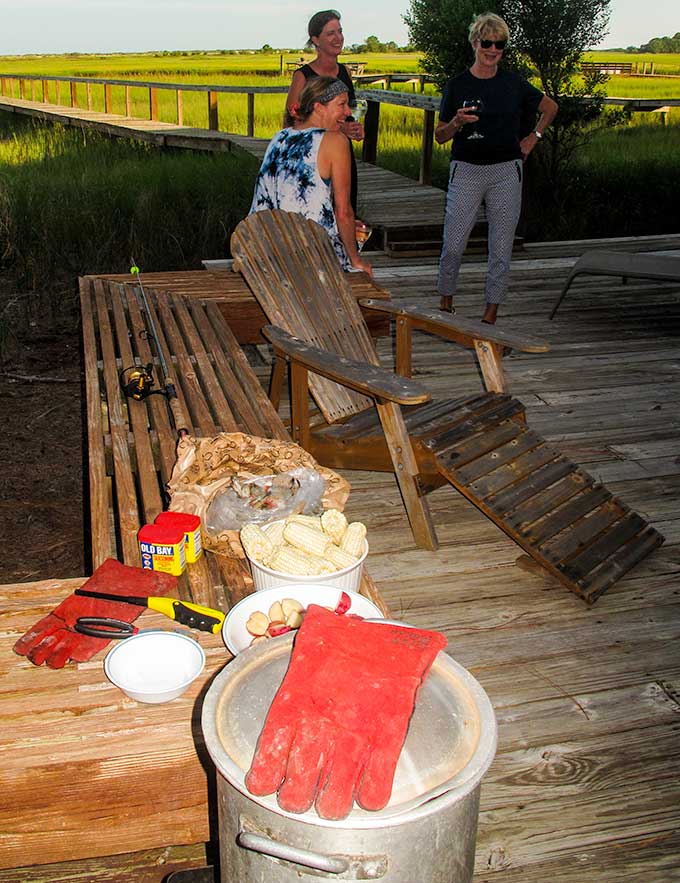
[137, 381]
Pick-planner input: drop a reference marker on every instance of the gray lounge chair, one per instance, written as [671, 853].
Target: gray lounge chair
[624, 264]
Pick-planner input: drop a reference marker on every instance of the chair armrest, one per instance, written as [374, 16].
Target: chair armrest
[457, 328]
[370, 380]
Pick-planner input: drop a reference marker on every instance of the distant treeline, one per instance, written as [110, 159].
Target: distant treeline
[658, 44]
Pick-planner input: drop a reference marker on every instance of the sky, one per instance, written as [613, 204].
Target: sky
[47, 26]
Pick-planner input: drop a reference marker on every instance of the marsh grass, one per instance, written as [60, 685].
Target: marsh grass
[77, 202]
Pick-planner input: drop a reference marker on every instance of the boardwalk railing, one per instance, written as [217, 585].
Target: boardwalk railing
[39, 90]
[428, 104]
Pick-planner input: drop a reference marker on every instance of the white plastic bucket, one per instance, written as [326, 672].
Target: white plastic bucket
[348, 579]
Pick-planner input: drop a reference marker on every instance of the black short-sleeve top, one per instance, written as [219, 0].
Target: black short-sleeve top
[507, 100]
[343, 75]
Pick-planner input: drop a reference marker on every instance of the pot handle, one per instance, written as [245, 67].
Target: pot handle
[306, 857]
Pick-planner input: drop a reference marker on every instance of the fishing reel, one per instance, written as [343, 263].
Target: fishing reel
[136, 382]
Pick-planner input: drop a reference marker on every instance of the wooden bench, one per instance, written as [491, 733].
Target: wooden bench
[132, 444]
[665, 268]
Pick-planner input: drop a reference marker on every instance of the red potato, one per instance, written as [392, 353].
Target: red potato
[343, 604]
[276, 612]
[294, 619]
[257, 623]
[278, 628]
[290, 605]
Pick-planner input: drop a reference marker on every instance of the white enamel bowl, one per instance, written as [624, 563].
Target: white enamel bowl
[154, 665]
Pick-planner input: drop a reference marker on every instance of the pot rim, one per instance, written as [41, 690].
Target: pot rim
[432, 801]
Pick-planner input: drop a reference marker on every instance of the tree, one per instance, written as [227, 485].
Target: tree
[439, 29]
[553, 34]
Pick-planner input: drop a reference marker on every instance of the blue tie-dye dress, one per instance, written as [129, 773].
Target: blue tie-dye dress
[289, 180]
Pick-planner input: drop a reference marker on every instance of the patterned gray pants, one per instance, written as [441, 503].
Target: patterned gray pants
[500, 187]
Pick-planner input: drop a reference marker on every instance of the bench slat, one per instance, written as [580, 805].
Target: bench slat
[126, 497]
[99, 509]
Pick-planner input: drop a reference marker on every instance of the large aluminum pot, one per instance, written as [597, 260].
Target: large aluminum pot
[426, 833]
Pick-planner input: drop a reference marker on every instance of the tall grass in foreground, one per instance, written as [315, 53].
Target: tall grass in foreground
[77, 202]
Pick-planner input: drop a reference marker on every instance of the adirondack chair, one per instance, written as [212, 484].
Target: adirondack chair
[374, 419]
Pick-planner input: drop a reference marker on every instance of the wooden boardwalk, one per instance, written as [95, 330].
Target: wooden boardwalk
[397, 207]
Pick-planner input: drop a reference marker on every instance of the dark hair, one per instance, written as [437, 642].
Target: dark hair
[318, 22]
[313, 93]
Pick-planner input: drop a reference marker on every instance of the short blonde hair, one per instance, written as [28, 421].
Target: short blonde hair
[487, 25]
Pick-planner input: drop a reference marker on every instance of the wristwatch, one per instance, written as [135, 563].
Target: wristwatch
[538, 134]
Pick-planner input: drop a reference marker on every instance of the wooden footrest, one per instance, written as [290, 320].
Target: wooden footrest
[558, 513]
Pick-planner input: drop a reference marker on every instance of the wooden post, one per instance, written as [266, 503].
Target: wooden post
[88, 92]
[74, 95]
[45, 92]
[425, 176]
[128, 101]
[153, 103]
[369, 150]
[3, 85]
[22, 88]
[251, 114]
[422, 83]
[281, 65]
[108, 103]
[180, 109]
[57, 90]
[213, 116]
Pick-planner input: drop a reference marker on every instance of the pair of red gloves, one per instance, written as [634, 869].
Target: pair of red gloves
[338, 722]
[54, 640]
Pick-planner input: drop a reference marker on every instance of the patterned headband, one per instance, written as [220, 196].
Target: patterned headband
[337, 87]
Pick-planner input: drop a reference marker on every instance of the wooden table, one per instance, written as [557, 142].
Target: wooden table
[86, 771]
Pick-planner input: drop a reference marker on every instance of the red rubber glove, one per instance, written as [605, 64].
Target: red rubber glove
[54, 640]
[338, 722]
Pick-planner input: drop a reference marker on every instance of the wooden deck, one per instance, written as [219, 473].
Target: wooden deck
[585, 785]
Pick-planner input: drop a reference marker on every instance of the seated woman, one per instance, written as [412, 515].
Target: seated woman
[306, 169]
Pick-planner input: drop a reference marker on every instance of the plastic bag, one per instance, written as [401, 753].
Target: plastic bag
[265, 498]
[206, 467]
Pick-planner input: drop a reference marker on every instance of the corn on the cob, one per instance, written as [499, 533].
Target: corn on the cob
[299, 563]
[306, 538]
[310, 520]
[334, 524]
[353, 540]
[257, 544]
[338, 557]
[275, 532]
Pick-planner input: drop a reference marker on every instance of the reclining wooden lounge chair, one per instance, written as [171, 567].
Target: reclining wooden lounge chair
[376, 420]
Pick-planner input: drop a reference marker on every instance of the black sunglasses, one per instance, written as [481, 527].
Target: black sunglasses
[499, 44]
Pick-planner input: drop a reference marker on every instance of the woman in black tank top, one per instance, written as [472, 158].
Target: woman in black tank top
[325, 35]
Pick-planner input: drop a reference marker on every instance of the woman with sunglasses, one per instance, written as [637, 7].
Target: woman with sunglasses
[482, 110]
